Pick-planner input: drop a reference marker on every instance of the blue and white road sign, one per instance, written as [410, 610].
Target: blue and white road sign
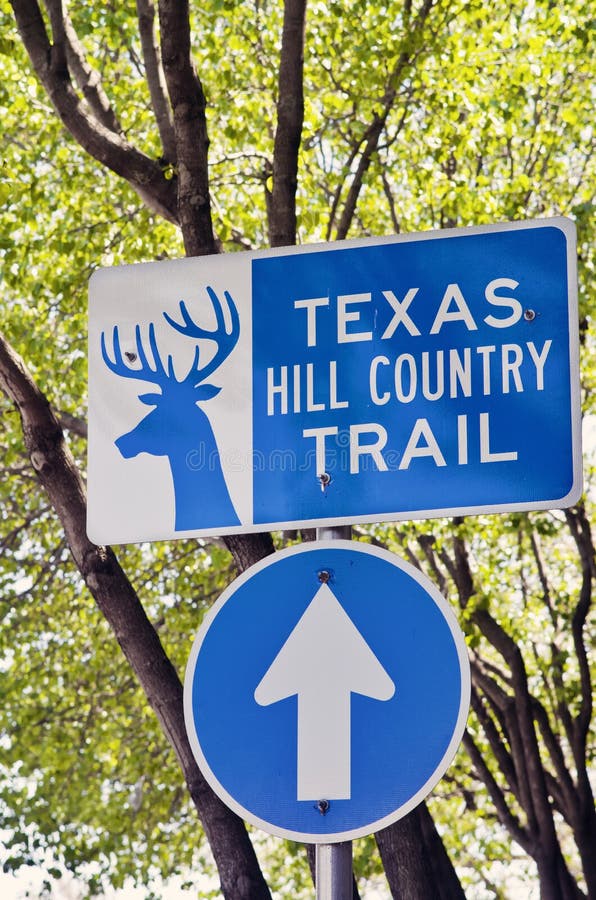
[417, 375]
[323, 710]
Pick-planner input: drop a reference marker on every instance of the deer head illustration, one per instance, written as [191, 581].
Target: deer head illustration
[177, 426]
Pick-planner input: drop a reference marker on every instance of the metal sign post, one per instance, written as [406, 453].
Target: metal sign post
[333, 862]
[333, 871]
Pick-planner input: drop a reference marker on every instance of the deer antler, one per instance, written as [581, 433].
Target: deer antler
[226, 341]
[158, 375]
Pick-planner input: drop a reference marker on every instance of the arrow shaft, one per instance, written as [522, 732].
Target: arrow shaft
[323, 764]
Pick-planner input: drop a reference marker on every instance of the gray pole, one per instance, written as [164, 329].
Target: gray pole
[333, 866]
[339, 533]
[333, 871]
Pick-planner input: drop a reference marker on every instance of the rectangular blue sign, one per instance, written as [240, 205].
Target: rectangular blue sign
[420, 377]
[379, 379]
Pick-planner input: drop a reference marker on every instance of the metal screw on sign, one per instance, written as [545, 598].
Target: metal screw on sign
[324, 480]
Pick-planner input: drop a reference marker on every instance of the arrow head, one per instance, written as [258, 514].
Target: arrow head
[326, 653]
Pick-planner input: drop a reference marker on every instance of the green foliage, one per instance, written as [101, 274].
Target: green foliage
[489, 120]
[98, 782]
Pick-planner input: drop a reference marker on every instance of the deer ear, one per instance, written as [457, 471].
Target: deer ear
[150, 399]
[206, 392]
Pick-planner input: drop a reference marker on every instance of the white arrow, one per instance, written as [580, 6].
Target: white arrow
[323, 661]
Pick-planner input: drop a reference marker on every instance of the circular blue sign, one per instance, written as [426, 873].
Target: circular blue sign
[327, 691]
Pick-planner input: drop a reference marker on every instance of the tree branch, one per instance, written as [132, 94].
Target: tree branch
[375, 129]
[564, 780]
[496, 742]
[108, 148]
[290, 116]
[426, 542]
[156, 79]
[504, 709]
[373, 135]
[249, 548]
[459, 567]
[86, 77]
[580, 529]
[190, 127]
[390, 202]
[72, 423]
[506, 817]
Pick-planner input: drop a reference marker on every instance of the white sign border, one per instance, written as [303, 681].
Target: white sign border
[464, 667]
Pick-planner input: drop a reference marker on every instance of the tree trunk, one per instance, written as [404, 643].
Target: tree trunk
[585, 836]
[556, 883]
[415, 860]
[241, 876]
